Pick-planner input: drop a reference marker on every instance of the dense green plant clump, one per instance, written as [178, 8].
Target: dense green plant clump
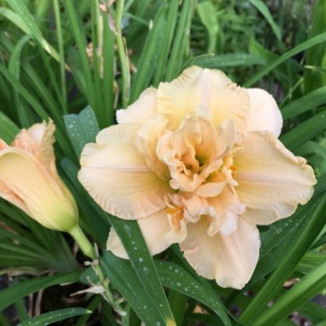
[74, 64]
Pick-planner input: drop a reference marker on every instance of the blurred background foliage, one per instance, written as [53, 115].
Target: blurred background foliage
[59, 56]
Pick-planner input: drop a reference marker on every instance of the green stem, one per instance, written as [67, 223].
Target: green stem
[83, 242]
[123, 57]
[89, 251]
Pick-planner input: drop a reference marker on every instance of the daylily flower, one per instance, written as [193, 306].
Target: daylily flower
[29, 179]
[197, 162]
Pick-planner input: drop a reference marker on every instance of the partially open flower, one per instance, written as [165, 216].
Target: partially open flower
[29, 179]
[197, 162]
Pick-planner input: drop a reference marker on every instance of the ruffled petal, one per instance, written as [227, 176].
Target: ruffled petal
[264, 112]
[142, 109]
[117, 177]
[201, 89]
[157, 231]
[227, 209]
[38, 140]
[272, 181]
[230, 260]
[147, 137]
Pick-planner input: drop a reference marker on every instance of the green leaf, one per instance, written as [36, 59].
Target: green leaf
[54, 317]
[208, 16]
[122, 276]
[10, 295]
[77, 30]
[318, 39]
[14, 63]
[8, 130]
[310, 285]
[82, 128]
[305, 103]
[169, 29]
[225, 60]
[148, 57]
[305, 131]
[25, 21]
[142, 262]
[178, 279]
[301, 241]
[180, 40]
[262, 8]
[316, 56]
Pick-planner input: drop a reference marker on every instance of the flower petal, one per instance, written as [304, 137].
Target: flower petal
[117, 177]
[264, 112]
[142, 109]
[203, 89]
[25, 183]
[147, 137]
[157, 231]
[230, 260]
[272, 181]
[39, 140]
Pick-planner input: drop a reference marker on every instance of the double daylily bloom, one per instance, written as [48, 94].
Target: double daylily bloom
[197, 162]
[29, 179]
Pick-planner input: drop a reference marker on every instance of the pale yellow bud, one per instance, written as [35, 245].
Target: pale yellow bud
[29, 179]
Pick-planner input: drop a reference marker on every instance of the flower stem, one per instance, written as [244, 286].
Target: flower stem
[87, 248]
[83, 242]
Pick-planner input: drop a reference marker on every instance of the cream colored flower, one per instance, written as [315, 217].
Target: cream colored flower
[197, 162]
[29, 179]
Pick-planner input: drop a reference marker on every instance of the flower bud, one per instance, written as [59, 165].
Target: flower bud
[29, 179]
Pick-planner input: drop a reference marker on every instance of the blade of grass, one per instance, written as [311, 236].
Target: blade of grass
[305, 131]
[122, 53]
[304, 238]
[149, 53]
[10, 295]
[225, 60]
[126, 281]
[262, 8]
[8, 130]
[77, 30]
[310, 285]
[180, 40]
[178, 279]
[318, 39]
[54, 316]
[165, 46]
[27, 23]
[59, 35]
[305, 103]
[108, 73]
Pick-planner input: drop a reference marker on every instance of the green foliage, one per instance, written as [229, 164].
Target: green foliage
[78, 61]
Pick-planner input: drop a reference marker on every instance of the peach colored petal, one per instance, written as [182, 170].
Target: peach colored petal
[38, 140]
[7, 194]
[206, 89]
[117, 177]
[272, 181]
[142, 109]
[230, 260]
[227, 208]
[146, 141]
[190, 153]
[264, 112]
[3, 144]
[157, 231]
[24, 183]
